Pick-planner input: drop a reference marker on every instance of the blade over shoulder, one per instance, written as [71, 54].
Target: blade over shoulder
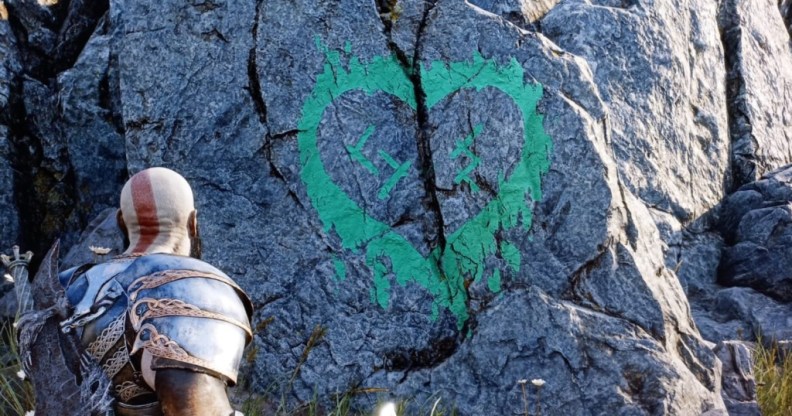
[46, 287]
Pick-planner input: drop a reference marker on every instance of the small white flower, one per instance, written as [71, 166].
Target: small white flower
[388, 409]
[30, 413]
[8, 278]
[99, 250]
[21, 374]
[538, 382]
[522, 381]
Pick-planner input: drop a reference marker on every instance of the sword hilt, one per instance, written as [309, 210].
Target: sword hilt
[19, 260]
[17, 267]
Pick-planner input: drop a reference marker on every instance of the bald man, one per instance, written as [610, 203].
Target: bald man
[167, 328]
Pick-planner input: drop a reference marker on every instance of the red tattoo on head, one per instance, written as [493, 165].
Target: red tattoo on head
[145, 210]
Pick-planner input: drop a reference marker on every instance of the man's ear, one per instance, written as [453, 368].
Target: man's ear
[122, 226]
[195, 237]
[192, 224]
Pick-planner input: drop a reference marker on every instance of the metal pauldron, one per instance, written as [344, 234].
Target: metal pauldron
[169, 308]
[159, 303]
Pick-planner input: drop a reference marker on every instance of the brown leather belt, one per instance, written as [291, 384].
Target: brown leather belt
[149, 409]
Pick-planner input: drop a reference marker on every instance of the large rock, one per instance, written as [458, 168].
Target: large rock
[739, 385]
[9, 215]
[9, 70]
[759, 63]
[664, 91]
[757, 220]
[53, 32]
[593, 364]
[742, 243]
[59, 156]
[521, 12]
[428, 197]
[92, 129]
[761, 316]
[433, 283]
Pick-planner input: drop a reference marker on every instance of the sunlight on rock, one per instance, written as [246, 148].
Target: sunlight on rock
[47, 3]
[534, 10]
[3, 11]
[388, 409]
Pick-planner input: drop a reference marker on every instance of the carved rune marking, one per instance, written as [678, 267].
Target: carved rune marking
[463, 148]
[356, 151]
[400, 170]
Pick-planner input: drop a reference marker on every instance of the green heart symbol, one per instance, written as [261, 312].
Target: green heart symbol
[444, 271]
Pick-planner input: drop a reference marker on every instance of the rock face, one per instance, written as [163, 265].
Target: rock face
[758, 217]
[665, 94]
[733, 268]
[9, 69]
[760, 81]
[739, 385]
[434, 198]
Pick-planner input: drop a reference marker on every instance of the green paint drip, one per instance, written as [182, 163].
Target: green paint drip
[511, 254]
[340, 270]
[442, 274]
[494, 282]
[356, 151]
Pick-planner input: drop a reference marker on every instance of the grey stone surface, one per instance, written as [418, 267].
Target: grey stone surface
[102, 232]
[762, 315]
[759, 79]
[739, 385]
[9, 69]
[520, 12]
[573, 251]
[741, 243]
[756, 219]
[695, 257]
[9, 215]
[53, 33]
[664, 91]
[785, 6]
[581, 282]
[588, 370]
[91, 126]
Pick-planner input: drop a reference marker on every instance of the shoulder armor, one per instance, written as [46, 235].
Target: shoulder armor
[187, 314]
[145, 269]
[65, 276]
[91, 289]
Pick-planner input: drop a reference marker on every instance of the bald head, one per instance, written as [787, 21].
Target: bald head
[158, 212]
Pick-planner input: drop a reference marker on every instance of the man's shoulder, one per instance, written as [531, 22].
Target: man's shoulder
[186, 278]
[160, 262]
[127, 270]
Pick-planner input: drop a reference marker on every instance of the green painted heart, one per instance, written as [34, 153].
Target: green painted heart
[444, 270]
